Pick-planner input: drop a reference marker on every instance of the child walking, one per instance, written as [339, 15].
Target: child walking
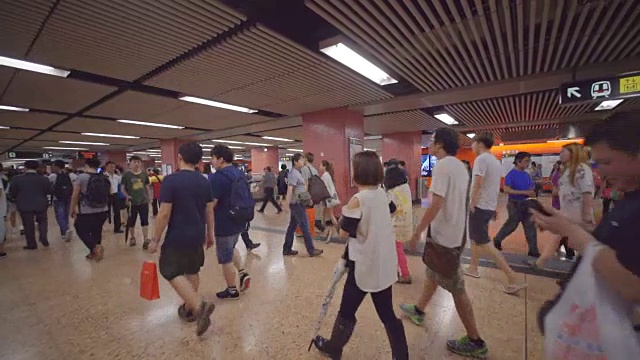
[399, 193]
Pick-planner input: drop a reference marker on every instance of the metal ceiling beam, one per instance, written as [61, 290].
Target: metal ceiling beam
[568, 120]
[510, 87]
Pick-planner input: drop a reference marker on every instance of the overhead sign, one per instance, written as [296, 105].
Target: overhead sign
[619, 87]
[28, 155]
[87, 154]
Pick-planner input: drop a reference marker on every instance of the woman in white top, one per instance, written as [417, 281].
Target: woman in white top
[371, 260]
[398, 191]
[326, 168]
[575, 190]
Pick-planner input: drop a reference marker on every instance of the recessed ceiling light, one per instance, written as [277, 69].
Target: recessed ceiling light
[239, 142]
[12, 108]
[295, 150]
[277, 139]
[343, 54]
[83, 143]
[144, 123]
[471, 135]
[112, 135]
[217, 104]
[63, 148]
[608, 104]
[446, 118]
[29, 66]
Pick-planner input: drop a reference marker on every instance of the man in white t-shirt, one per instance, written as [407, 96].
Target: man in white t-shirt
[447, 216]
[485, 188]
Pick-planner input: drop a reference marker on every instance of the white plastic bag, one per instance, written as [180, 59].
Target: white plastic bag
[590, 321]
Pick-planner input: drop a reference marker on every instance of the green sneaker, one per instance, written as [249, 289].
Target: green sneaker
[465, 347]
[411, 312]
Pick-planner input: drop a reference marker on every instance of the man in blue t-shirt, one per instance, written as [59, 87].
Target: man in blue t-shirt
[520, 186]
[187, 208]
[227, 229]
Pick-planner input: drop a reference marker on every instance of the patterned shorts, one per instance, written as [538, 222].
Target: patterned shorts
[454, 284]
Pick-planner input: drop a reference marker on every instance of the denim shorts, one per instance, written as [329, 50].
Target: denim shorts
[225, 245]
[479, 221]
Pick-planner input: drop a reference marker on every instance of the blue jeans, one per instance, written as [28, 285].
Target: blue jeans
[61, 209]
[298, 219]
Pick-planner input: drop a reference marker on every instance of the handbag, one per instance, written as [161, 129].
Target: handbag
[441, 259]
[590, 321]
[304, 199]
[333, 201]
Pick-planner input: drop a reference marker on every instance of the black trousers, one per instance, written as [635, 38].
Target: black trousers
[353, 296]
[245, 237]
[114, 212]
[269, 197]
[29, 219]
[155, 205]
[89, 228]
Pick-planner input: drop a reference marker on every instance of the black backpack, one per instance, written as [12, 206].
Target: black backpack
[98, 189]
[318, 190]
[62, 187]
[241, 202]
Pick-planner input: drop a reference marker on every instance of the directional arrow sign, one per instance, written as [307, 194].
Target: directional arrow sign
[573, 92]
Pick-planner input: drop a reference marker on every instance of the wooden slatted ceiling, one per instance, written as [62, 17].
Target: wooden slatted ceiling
[134, 37]
[400, 121]
[444, 44]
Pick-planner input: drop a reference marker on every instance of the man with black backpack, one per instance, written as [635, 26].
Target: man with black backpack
[62, 182]
[89, 206]
[233, 209]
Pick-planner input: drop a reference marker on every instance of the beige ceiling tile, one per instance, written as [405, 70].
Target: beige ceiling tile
[30, 119]
[136, 106]
[207, 117]
[17, 134]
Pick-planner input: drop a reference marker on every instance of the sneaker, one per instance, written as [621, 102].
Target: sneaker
[407, 280]
[118, 231]
[465, 347]
[316, 252]
[245, 281]
[204, 317]
[497, 245]
[290, 253]
[411, 312]
[186, 315]
[132, 242]
[145, 244]
[45, 244]
[228, 294]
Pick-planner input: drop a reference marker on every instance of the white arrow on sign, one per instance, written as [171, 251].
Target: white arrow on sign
[573, 91]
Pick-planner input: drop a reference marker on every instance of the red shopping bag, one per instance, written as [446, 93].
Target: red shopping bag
[311, 215]
[149, 289]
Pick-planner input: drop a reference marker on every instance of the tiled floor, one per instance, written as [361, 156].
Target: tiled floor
[54, 304]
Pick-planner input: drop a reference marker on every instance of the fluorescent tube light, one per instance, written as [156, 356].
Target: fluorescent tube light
[471, 135]
[239, 142]
[446, 118]
[12, 108]
[63, 148]
[83, 143]
[29, 66]
[235, 147]
[112, 135]
[277, 139]
[144, 123]
[369, 150]
[608, 104]
[217, 104]
[4, 127]
[373, 137]
[343, 54]
[295, 150]
[288, 154]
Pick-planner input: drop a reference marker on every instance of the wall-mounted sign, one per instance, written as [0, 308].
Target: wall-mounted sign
[87, 154]
[618, 87]
[28, 155]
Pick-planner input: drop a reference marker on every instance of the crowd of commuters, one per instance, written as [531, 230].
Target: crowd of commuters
[193, 213]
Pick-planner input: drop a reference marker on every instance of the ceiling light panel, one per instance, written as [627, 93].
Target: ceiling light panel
[145, 123]
[217, 104]
[142, 35]
[356, 62]
[29, 66]
[112, 135]
[64, 148]
[84, 143]
[12, 108]
[277, 139]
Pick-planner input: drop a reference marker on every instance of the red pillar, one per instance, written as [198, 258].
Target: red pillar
[326, 134]
[407, 147]
[263, 157]
[118, 157]
[169, 152]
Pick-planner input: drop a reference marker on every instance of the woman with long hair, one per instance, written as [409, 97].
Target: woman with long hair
[398, 191]
[575, 190]
[326, 168]
[371, 262]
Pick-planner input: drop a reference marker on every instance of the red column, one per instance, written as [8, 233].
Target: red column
[326, 134]
[407, 147]
[169, 152]
[118, 157]
[263, 157]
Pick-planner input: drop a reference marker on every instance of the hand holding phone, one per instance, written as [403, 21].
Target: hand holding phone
[532, 203]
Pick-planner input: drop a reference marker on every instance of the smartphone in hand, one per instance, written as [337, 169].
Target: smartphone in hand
[532, 203]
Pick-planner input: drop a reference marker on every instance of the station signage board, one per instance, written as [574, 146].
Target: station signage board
[87, 154]
[618, 87]
[29, 155]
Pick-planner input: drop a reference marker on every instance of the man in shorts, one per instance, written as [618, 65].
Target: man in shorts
[187, 210]
[447, 216]
[227, 229]
[136, 187]
[485, 189]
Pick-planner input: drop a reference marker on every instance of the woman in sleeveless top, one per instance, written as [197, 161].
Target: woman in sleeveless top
[371, 260]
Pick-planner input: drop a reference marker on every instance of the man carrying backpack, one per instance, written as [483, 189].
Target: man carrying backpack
[62, 182]
[308, 172]
[233, 210]
[89, 206]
